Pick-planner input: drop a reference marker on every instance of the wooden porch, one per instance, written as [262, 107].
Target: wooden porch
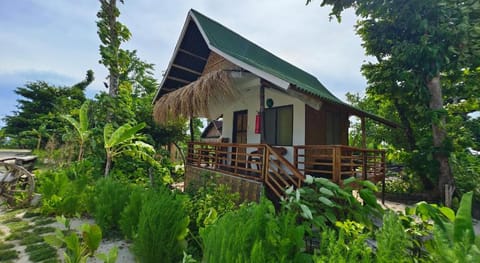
[268, 165]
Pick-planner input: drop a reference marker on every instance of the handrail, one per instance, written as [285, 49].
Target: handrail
[280, 173]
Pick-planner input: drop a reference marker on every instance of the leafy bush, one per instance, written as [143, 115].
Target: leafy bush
[454, 240]
[323, 203]
[254, 234]
[339, 247]
[466, 170]
[66, 190]
[109, 199]
[162, 227]
[393, 243]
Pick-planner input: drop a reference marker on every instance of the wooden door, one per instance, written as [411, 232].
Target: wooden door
[240, 123]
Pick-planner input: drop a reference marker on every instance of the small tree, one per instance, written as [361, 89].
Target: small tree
[125, 140]
[81, 127]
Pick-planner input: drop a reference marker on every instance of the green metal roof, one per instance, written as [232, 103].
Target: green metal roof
[244, 50]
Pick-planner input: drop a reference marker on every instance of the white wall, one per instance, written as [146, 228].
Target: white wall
[248, 99]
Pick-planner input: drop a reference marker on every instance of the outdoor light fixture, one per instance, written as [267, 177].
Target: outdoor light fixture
[269, 102]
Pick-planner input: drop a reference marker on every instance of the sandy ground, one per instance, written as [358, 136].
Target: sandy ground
[124, 253]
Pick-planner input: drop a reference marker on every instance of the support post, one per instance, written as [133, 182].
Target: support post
[262, 112]
[364, 146]
[192, 136]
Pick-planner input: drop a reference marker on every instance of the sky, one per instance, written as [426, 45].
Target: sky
[56, 40]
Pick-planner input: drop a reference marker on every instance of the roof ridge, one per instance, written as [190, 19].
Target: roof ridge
[195, 12]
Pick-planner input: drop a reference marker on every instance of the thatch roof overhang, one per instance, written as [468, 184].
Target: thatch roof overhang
[201, 35]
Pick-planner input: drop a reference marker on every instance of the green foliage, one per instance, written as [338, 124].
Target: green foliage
[111, 257]
[77, 249]
[254, 234]
[39, 110]
[323, 202]
[455, 240]
[466, 170]
[130, 215]
[338, 247]
[92, 236]
[81, 127]
[65, 190]
[393, 243]
[125, 140]
[162, 227]
[109, 199]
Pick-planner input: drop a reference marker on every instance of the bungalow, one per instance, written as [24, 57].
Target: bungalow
[279, 122]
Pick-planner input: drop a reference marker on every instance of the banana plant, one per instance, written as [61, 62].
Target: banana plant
[125, 140]
[81, 126]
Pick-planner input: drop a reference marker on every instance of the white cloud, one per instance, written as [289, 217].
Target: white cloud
[60, 36]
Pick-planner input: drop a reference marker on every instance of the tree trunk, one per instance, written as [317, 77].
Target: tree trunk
[439, 133]
[108, 164]
[113, 74]
[80, 152]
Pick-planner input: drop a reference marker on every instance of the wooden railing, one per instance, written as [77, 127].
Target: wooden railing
[242, 160]
[263, 163]
[338, 162]
[280, 173]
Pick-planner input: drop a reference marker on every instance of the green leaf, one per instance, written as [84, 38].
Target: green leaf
[448, 212]
[326, 191]
[326, 201]
[306, 213]
[368, 196]
[349, 180]
[463, 227]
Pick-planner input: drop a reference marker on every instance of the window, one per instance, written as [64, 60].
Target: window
[279, 125]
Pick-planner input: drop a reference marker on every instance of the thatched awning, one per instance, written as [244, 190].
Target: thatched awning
[194, 99]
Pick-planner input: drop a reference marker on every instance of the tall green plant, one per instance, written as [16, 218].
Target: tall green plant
[162, 228]
[455, 241]
[254, 233]
[125, 140]
[81, 127]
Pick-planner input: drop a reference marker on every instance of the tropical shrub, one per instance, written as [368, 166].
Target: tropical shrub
[162, 227]
[66, 190]
[342, 247]
[108, 201]
[323, 203]
[130, 215]
[393, 243]
[254, 233]
[454, 240]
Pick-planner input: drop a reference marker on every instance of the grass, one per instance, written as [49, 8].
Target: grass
[8, 255]
[40, 252]
[16, 236]
[31, 238]
[5, 246]
[43, 230]
[44, 221]
[17, 226]
[30, 214]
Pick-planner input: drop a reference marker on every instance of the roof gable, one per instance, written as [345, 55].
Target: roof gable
[202, 35]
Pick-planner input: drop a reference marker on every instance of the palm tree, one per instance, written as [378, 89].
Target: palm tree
[125, 140]
[81, 127]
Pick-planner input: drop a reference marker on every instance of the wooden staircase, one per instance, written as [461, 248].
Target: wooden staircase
[279, 173]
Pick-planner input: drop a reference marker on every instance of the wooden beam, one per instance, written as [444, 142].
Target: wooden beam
[192, 54]
[179, 80]
[187, 69]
